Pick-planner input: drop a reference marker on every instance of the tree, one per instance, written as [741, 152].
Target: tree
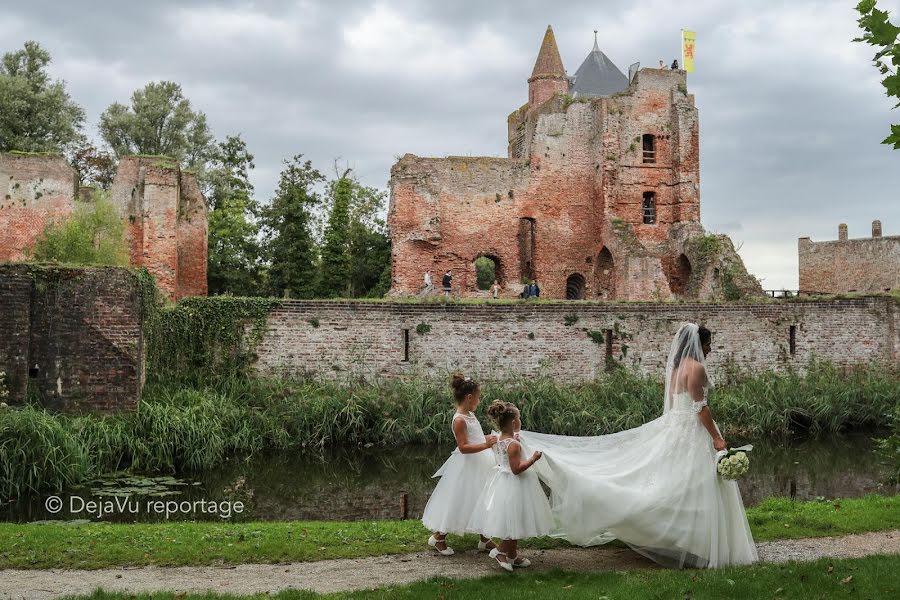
[289, 244]
[93, 166]
[160, 121]
[234, 250]
[92, 235]
[885, 37]
[335, 274]
[36, 113]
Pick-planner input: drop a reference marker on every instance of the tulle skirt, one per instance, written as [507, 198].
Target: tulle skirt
[654, 487]
[463, 477]
[512, 507]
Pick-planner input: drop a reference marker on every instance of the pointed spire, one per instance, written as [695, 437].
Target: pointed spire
[596, 46]
[548, 64]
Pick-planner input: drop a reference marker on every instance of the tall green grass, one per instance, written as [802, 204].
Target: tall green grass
[181, 427]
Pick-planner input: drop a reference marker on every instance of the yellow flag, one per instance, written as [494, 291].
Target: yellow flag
[688, 40]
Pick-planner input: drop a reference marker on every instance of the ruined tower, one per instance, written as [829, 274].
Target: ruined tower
[598, 199]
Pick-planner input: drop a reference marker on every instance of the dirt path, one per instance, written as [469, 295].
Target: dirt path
[349, 574]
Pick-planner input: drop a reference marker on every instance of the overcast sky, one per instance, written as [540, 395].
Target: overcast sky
[791, 111]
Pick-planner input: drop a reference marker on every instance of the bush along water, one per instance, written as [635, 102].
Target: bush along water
[183, 428]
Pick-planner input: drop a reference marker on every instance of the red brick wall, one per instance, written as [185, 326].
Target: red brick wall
[35, 189]
[578, 172]
[167, 218]
[72, 336]
[525, 340]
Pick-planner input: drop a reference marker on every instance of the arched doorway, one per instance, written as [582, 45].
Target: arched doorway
[679, 275]
[605, 275]
[575, 285]
[487, 269]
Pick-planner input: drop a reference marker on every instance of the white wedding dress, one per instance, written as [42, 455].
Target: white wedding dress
[654, 487]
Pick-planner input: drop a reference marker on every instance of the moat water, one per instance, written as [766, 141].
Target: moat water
[393, 483]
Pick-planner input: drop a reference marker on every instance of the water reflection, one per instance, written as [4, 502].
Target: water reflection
[392, 483]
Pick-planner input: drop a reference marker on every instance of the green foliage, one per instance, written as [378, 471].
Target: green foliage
[203, 337]
[159, 121]
[890, 446]
[92, 235]
[729, 288]
[598, 337]
[287, 222]
[36, 113]
[94, 167]
[485, 272]
[423, 328]
[314, 322]
[334, 281]
[234, 265]
[879, 32]
[570, 319]
[709, 246]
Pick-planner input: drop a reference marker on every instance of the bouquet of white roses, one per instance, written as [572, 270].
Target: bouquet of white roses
[733, 463]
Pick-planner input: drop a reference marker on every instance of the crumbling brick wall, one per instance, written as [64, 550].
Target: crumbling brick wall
[862, 265]
[72, 338]
[35, 190]
[576, 182]
[165, 213]
[568, 342]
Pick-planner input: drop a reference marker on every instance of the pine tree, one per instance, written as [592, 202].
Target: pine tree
[335, 274]
[290, 247]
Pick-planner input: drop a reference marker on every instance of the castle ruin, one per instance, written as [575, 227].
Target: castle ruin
[166, 226]
[842, 266]
[599, 197]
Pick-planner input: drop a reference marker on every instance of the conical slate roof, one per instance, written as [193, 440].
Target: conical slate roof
[548, 64]
[597, 76]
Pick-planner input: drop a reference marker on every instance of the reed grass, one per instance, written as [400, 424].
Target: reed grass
[192, 427]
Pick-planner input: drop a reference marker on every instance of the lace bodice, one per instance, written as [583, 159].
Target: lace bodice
[474, 433]
[684, 401]
[501, 453]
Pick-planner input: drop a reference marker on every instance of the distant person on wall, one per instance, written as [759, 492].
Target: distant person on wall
[662, 65]
[428, 283]
[675, 65]
[495, 290]
[526, 291]
[534, 291]
[447, 283]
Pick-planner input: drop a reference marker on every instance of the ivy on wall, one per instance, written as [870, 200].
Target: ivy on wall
[200, 337]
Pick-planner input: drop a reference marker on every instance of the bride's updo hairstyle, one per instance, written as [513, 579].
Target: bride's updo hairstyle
[502, 413]
[462, 387]
[687, 349]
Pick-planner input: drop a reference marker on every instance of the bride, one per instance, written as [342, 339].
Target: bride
[654, 487]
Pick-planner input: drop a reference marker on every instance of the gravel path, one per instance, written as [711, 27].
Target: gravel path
[349, 574]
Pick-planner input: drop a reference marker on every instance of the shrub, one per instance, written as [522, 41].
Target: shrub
[92, 235]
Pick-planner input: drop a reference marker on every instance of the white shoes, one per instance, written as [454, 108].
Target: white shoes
[521, 563]
[482, 546]
[447, 551]
[505, 565]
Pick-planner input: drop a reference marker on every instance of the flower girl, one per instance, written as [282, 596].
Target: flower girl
[513, 505]
[463, 475]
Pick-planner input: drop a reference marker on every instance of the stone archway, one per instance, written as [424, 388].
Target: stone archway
[605, 275]
[575, 286]
[487, 269]
[678, 272]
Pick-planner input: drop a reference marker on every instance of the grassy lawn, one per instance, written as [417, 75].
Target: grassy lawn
[97, 545]
[870, 577]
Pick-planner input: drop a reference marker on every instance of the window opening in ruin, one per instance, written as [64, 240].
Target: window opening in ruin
[605, 275]
[609, 349]
[406, 345]
[793, 339]
[648, 206]
[485, 272]
[575, 285]
[649, 146]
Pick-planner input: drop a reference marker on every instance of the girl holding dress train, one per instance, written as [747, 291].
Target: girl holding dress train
[463, 475]
[513, 505]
